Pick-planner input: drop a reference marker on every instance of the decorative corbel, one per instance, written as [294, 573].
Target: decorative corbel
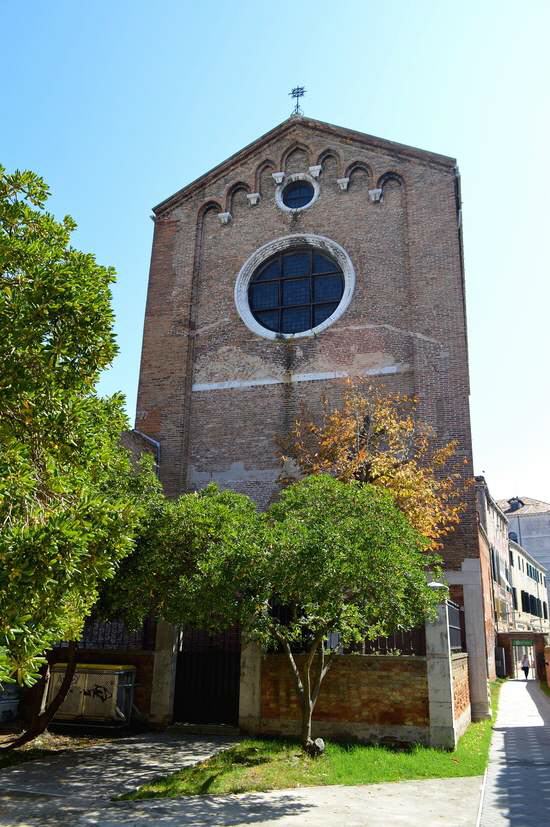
[253, 198]
[375, 195]
[343, 183]
[225, 217]
[278, 177]
[315, 171]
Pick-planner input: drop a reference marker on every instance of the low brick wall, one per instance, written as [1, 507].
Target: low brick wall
[363, 697]
[461, 692]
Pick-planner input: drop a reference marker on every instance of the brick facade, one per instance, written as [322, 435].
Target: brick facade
[368, 697]
[216, 395]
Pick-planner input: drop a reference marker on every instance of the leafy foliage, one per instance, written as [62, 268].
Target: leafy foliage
[337, 557]
[69, 499]
[378, 439]
[343, 558]
[196, 561]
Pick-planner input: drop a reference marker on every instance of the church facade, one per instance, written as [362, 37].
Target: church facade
[314, 254]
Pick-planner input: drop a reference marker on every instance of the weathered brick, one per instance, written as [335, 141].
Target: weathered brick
[407, 308]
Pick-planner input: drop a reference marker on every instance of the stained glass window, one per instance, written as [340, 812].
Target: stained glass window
[295, 291]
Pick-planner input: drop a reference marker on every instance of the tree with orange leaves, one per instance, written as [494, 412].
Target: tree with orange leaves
[377, 438]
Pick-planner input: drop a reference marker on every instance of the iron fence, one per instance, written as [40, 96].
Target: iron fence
[410, 642]
[113, 634]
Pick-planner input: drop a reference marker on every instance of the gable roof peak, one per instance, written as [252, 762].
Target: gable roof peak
[299, 121]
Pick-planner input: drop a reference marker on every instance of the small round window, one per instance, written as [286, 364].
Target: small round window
[295, 291]
[298, 194]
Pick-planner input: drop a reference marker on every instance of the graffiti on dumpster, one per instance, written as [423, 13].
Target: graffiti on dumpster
[102, 693]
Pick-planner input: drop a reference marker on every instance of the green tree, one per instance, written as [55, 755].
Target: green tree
[336, 557]
[69, 498]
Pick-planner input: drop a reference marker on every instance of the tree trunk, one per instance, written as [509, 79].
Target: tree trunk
[40, 721]
[307, 691]
[305, 732]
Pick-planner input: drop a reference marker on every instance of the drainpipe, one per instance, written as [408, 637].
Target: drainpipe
[152, 442]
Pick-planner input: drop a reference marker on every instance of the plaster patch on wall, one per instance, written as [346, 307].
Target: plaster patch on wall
[232, 360]
[390, 327]
[235, 473]
[230, 384]
[358, 362]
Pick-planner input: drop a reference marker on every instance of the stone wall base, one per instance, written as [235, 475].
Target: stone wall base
[348, 731]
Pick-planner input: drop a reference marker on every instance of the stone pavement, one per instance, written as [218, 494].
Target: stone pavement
[517, 791]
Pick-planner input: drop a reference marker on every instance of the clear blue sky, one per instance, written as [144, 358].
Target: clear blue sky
[118, 104]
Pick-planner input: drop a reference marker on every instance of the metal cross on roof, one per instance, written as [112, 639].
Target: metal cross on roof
[298, 92]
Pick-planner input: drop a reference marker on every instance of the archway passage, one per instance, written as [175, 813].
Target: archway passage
[519, 649]
[208, 677]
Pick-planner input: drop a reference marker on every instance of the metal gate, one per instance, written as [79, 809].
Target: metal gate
[208, 677]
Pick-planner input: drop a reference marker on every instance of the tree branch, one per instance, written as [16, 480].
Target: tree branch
[295, 671]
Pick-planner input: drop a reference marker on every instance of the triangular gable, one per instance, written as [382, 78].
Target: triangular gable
[286, 127]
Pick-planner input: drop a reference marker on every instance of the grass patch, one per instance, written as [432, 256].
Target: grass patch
[263, 764]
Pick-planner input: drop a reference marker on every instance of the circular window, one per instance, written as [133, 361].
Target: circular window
[297, 194]
[295, 291]
[294, 286]
[299, 191]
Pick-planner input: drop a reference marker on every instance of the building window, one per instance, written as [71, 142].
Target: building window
[295, 291]
[294, 286]
[515, 598]
[298, 191]
[297, 194]
[545, 610]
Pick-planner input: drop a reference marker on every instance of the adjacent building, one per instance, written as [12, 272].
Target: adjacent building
[529, 522]
[518, 589]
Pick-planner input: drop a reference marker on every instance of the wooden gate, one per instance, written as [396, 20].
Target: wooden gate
[208, 677]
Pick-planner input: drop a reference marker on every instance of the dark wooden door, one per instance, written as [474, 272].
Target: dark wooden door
[208, 677]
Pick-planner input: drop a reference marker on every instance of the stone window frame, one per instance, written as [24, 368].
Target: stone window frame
[284, 244]
[291, 179]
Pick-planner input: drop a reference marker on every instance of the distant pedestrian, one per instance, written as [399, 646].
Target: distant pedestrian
[526, 665]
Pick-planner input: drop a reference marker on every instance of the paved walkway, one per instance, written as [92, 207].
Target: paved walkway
[433, 803]
[517, 790]
[62, 788]
[76, 790]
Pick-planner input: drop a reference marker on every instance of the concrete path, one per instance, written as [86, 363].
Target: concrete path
[445, 802]
[59, 789]
[517, 792]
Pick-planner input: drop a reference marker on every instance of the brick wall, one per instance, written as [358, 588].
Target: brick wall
[488, 606]
[406, 314]
[461, 686]
[367, 697]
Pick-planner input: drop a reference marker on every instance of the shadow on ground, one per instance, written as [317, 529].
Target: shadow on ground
[109, 769]
[519, 775]
[42, 811]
